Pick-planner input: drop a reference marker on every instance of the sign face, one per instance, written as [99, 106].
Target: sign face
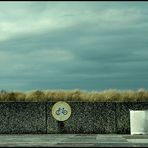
[61, 111]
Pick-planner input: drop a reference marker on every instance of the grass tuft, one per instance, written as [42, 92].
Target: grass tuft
[110, 95]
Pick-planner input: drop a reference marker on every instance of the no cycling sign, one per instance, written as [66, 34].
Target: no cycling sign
[61, 111]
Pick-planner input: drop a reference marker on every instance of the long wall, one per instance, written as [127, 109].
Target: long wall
[86, 117]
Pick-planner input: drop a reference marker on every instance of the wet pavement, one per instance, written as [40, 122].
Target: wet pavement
[73, 140]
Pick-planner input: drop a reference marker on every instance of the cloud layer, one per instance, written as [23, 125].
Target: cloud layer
[73, 45]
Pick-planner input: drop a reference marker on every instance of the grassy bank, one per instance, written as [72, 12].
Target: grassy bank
[76, 95]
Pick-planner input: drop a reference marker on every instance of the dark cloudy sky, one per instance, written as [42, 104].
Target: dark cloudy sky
[73, 45]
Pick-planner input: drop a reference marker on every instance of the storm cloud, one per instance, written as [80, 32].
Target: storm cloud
[73, 45]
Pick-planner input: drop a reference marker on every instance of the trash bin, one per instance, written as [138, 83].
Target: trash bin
[139, 121]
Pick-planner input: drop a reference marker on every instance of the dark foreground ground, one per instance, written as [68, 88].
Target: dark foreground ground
[74, 140]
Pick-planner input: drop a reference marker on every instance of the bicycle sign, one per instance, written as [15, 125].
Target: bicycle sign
[61, 111]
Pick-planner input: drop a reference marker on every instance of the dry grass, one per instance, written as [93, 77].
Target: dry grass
[76, 95]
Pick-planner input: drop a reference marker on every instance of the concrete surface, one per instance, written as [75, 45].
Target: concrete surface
[86, 118]
[22, 118]
[123, 115]
[73, 140]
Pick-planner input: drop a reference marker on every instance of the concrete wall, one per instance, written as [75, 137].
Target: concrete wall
[22, 117]
[123, 115]
[86, 117]
[98, 117]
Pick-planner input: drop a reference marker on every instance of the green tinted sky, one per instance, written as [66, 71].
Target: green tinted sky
[73, 45]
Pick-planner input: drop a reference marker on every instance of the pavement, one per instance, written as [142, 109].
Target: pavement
[73, 140]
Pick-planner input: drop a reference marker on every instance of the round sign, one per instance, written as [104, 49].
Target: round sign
[61, 111]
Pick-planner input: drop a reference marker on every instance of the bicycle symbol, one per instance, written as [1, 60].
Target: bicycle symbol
[61, 111]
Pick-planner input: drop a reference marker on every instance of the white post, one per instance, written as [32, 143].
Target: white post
[139, 121]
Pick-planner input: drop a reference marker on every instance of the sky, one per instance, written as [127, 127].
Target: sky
[82, 45]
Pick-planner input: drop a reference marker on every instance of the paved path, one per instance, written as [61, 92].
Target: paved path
[74, 140]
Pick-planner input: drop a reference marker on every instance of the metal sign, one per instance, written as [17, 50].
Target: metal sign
[61, 111]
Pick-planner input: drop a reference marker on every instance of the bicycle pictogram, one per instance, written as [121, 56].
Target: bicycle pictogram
[61, 111]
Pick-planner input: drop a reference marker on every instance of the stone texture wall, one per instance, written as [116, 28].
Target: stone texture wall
[22, 117]
[86, 117]
[123, 115]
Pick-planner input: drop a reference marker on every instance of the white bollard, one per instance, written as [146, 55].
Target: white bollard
[139, 121]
